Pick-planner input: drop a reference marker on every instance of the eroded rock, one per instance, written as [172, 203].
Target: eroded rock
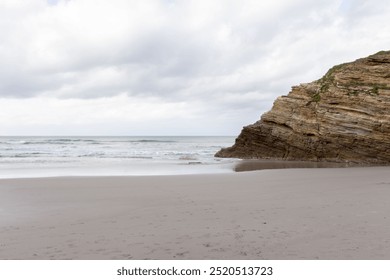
[344, 116]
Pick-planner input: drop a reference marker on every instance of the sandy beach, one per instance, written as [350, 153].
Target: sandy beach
[327, 213]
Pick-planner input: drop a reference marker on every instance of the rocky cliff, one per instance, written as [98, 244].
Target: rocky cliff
[344, 116]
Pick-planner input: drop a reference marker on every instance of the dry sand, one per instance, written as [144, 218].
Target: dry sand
[335, 213]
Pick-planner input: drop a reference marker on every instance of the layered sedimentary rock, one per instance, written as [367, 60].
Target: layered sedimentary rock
[344, 116]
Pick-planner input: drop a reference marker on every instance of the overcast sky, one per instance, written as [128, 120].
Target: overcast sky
[169, 67]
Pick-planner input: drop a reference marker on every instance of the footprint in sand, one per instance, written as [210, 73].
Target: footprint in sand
[181, 254]
[127, 256]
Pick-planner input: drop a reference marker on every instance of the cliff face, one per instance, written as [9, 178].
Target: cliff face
[344, 116]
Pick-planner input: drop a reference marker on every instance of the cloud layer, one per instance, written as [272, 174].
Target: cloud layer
[214, 62]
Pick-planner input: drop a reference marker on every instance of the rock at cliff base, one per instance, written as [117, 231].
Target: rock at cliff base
[344, 116]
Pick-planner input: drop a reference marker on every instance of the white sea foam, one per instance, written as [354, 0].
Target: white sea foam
[79, 156]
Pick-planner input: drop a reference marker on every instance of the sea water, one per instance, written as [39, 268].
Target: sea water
[105, 156]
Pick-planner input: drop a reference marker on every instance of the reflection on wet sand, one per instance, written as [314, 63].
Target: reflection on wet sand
[251, 165]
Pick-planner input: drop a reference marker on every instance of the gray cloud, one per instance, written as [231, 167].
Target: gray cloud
[236, 56]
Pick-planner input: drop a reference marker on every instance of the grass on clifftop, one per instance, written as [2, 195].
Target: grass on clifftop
[326, 81]
[353, 88]
[381, 52]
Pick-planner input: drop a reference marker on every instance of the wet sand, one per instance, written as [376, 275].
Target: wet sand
[259, 164]
[327, 213]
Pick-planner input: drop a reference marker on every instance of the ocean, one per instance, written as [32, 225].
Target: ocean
[25, 157]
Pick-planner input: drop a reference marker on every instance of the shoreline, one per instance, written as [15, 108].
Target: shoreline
[172, 169]
[329, 213]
